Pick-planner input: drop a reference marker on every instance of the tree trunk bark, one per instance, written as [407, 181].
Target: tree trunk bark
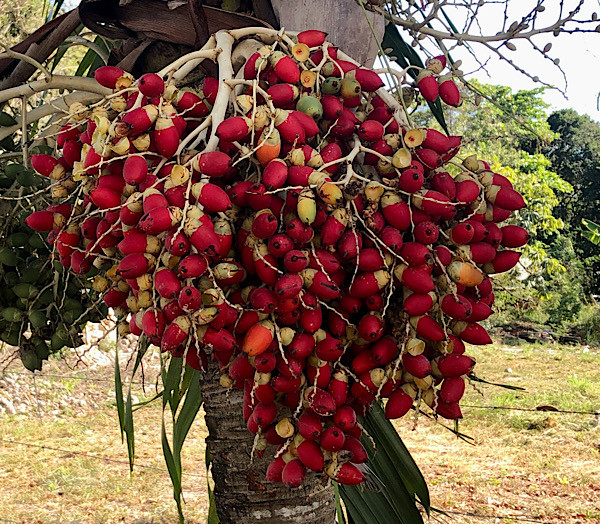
[344, 21]
[242, 494]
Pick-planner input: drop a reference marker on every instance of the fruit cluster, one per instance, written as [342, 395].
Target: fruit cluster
[40, 311]
[316, 247]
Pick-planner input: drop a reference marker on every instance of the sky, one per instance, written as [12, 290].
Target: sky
[579, 56]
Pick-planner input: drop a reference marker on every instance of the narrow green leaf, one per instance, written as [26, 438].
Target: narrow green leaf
[143, 404]
[185, 418]
[119, 393]
[405, 56]
[341, 519]
[505, 386]
[384, 433]
[129, 430]
[91, 61]
[171, 379]
[174, 470]
[213, 518]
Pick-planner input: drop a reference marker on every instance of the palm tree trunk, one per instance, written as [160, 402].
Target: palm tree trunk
[242, 494]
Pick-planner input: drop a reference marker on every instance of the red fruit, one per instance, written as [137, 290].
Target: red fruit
[418, 304]
[166, 137]
[452, 389]
[370, 259]
[467, 191]
[287, 70]
[234, 129]
[398, 404]
[415, 254]
[417, 280]
[462, 233]
[166, 283]
[367, 284]
[193, 266]
[329, 349]
[451, 411]
[395, 211]
[345, 418]
[332, 439]
[105, 198]
[134, 265]
[505, 198]
[280, 244]
[151, 85]
[264, 224]
[428, 328]
[353, 445]
[312, 37]
[369, 80]
[41, 220]
[371, 327]
[293, 473]
[417, 365]
[310, 454]
[514, 236]
[332, 107]
[392, 238]
[210, 88]
[449, 92]
[264, 414]
[503, 261]
[442, 181]
[275, 470]
[429, 158]
[472, 333]
[113, 297]
[153, 323]
[310, 426]
[456, 306]
[275, 174]
[191, 105]
[177, 245]
[371, 130]
[428, 86]
[213, 198]
[107, 76]
[453, 365]
[295, 261]
[190, 299]
[135, 169]
[321, 402]
[426, 233]
[140, 119]
[157, 221]
[214, 164]
[348, 474]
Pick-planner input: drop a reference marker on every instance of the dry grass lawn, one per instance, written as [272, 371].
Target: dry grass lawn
[524, 466]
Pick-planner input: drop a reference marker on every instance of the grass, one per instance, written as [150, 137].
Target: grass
[524, 466]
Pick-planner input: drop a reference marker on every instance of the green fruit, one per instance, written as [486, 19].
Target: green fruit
[45, 298]
[331, 86]
[57, 342]
[7, 295]
[310, 106]
[26, 178]
[21, 303]
[11, 337]
[12, 170]
[7, 120]
[8, 257]
[30, 359]
[24, 290]
[37, 242]
[11, 279]
[12, 314]
[42, 350]
[37, 318]
[17, 240]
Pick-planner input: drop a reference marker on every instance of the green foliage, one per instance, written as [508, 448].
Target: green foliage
[575, 156]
